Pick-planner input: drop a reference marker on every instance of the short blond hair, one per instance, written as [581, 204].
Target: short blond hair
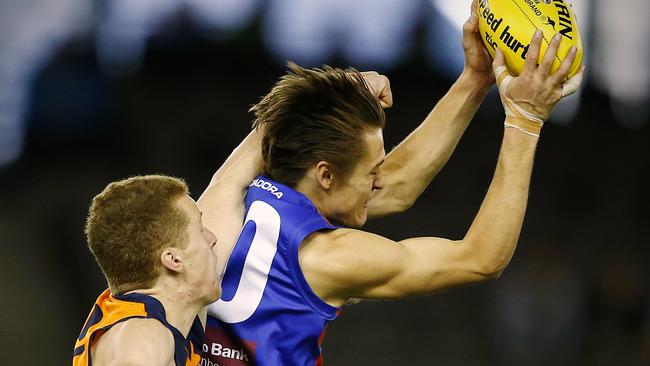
[129, 224]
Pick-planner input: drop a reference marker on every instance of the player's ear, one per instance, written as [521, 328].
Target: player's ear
[324, 174]
[171, 259]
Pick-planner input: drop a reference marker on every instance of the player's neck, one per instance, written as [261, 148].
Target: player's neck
[315, 194]
[180, 307]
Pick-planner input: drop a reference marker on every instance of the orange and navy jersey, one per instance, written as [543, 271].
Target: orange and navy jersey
[110, 310]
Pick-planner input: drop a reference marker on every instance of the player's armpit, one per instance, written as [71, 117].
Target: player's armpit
[135, 342]
[348, 263]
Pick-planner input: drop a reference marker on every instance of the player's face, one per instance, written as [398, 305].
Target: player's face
[350, 206]
[200, 255]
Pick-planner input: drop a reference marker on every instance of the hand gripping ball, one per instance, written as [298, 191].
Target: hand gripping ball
[510, 24]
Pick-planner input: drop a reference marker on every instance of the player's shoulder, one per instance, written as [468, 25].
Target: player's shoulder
[338, 238]
[331, 259]
[325, 248]
[336, 254]
[324, 238]
[137, 341]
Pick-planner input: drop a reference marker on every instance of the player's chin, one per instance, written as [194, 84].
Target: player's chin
[360, 219]
[214, 294]
[211, 291]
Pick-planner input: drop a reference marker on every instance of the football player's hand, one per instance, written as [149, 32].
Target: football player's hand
[529, 98]
[380, 87]
[477, 58]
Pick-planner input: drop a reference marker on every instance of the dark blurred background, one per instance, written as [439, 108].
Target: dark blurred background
[95, 91]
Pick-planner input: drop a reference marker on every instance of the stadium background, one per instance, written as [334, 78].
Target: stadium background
[94, 91]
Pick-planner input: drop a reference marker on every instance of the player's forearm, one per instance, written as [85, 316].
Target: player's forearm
[228, 184]
[243, 164]
[410, 167]
[492, 237]
[222, 202]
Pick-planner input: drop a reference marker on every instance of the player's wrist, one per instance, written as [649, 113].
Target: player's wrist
[479, 82]
[524, 125]
[517, 116]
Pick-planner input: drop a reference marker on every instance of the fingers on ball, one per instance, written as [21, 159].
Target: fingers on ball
[565, 67]
[499, 59]
[533, 53]
[551, 53]
[573, 84]
[469, 26]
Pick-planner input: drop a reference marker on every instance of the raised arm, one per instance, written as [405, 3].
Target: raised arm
[358, 264]
[348, 263]
[410, 167]
[222, 202]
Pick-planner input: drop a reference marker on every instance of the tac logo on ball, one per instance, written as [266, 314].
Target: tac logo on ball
[510, 25]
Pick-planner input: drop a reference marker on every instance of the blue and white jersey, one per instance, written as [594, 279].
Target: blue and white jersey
[268, 314]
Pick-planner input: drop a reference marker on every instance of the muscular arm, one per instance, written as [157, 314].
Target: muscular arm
[135, 342]
[349, 263]
[411, 166]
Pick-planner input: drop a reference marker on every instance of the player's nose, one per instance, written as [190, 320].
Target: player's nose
[378, 183]
[211, 238]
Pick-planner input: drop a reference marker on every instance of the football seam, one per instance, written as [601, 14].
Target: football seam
[533, 24]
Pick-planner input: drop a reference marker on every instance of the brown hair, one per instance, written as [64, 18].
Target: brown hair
[130, 222]
[314, 115]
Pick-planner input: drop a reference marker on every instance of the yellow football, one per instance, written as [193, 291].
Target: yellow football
[510, 25]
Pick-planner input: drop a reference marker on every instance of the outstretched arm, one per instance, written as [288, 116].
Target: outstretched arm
[349, 263]
[359, 264]
[410, 167]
